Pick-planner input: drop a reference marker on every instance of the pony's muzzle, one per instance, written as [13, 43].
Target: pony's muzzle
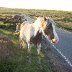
[55, 41]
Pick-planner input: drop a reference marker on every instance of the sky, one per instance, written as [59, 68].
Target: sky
[65, 5]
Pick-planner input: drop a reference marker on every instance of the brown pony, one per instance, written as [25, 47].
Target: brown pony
[32, 33]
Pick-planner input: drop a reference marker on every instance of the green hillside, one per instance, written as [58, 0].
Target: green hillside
[63, 19]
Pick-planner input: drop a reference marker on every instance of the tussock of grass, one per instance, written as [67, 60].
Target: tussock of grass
[65, 25]
[18, 61]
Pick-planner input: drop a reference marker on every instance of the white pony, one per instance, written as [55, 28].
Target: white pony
[32, 33]
[25, 19]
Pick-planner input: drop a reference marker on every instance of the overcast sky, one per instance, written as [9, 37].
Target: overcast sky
[65, 5]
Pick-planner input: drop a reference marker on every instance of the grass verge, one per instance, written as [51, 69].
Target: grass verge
[18, 60]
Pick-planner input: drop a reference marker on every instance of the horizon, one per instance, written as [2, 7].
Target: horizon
[34, 9]
[59, 5]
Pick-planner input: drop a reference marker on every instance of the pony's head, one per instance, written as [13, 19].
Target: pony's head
[47, 26]
[19, 26]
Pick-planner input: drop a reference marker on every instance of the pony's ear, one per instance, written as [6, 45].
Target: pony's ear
[36, 17]
[45, 18]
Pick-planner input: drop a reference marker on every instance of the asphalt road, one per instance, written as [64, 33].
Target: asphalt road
[65, 45]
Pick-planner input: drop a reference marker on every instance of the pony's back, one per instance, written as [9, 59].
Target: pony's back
[26, 32]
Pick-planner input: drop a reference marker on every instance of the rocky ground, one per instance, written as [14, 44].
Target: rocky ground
[5, 47]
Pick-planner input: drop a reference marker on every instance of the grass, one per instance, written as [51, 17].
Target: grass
[65, 25]
[19, 60]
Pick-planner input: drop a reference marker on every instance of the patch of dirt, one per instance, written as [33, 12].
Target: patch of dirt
[5, 47]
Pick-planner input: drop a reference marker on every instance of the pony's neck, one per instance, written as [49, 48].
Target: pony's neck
[36, 26]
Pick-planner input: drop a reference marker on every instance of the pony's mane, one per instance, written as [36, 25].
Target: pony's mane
[51, 20]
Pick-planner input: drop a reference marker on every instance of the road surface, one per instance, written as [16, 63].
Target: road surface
[65, 44]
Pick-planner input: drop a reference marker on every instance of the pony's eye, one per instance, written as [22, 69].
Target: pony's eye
[48, 27]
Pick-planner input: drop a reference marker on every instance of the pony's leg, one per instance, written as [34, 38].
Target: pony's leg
[38, 48]
[38, 51]
[29, 55]
[29, 48]
[20, 43]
